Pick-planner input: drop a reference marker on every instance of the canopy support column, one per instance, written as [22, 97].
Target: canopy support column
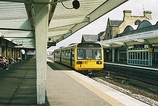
[41, 29]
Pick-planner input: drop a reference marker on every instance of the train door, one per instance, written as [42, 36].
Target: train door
[71, 56]
[60, 55]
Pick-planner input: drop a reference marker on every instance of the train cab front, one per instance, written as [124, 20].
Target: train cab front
[85, 65]
[89, 56]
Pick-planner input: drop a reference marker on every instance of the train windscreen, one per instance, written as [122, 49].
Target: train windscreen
[89, 53]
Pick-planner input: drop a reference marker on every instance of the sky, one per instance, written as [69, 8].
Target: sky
[136, 6]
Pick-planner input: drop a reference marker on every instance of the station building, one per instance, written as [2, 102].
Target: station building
[8, 49]
[133, 40]
[13, 51]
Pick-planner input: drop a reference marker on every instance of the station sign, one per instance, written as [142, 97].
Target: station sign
[49, 44]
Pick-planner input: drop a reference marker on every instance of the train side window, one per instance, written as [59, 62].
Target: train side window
[72, 53]
[68, 53]
[63, 54]
[97, 54]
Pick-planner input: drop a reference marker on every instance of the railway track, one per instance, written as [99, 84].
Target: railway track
[57, 66]
[142, 74]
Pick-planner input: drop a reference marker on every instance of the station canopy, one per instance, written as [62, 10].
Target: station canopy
[17, 18]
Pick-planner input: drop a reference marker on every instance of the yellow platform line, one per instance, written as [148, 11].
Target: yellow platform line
[99, 93]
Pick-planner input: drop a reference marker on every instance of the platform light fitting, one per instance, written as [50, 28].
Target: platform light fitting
[75, 5]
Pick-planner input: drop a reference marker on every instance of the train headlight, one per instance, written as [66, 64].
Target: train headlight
[99, 62]
[79, 62]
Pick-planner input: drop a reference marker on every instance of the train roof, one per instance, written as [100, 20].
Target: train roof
[82, 44]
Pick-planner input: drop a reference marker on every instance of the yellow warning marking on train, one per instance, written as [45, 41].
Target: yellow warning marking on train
[99, 93]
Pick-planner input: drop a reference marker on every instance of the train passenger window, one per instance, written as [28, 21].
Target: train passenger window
[68, 54]
[97, 54]
[72, 53]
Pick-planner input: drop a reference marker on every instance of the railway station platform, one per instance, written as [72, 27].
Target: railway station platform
[63, 88]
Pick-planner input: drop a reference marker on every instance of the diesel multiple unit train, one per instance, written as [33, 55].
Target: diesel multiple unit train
[82, 57]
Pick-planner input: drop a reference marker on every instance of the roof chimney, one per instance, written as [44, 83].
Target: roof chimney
[127, 13]
[147, 14]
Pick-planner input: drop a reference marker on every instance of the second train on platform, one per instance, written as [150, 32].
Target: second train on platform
[81, 56]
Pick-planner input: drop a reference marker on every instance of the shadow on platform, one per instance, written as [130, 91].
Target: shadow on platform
[18, 85]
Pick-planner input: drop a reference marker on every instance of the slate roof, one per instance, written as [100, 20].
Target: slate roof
[89, 38]
[115, 22]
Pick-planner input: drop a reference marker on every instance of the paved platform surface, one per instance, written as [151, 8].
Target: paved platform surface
[18, 85]
[63, 88]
